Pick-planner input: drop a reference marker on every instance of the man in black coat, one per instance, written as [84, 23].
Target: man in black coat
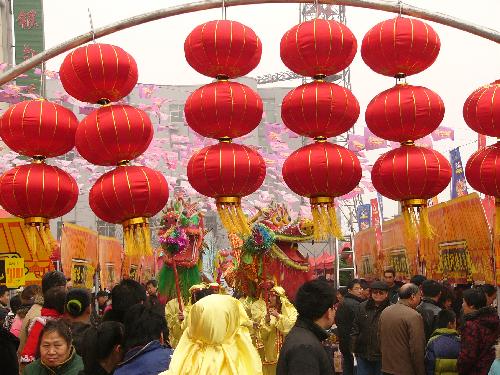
[302, 352]
[8, 351]
[344, 319]
[429, 307]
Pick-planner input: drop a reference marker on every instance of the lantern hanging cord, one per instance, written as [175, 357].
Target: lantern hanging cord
[224, 15]
[400, 3]
[91, 25]
[316, 3]
[42, 81]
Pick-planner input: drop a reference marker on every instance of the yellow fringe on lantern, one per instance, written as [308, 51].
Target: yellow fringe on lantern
[232, 216]
[416, 219]
[137, 238]
[426, 230]
[324, 219]
[334, 225]
[410, 222]
[31, 236]
[497, 217]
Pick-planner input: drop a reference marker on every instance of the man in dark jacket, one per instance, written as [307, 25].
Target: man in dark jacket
[429, 308]
[302, 352]
[479, 334]
[364, 334]
[8, 350]
[390, 279]
[344, 320]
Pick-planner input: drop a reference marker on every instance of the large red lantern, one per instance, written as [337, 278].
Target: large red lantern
[318, 48]
[404, 113]
[400, 47]
[38, 128]
[412, 175]
[114, 134]
[322, 171]
[482, 110]
[129, 195]
[98, 73]
[227, 172]
[319, 109]
[223, 49]
[223, 109]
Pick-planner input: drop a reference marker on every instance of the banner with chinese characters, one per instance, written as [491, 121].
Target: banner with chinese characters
[110, 260]
[458, 182]
[14, 273]
[79, 255]
[455, 262]
[29, 37]
[14, 246]
[363, 216]
[375, 222]
[368, 263]
[398, 260]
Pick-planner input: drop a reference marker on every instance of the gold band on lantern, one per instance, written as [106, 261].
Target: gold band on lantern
[319, 200]
[123, 163]
[38, 159]
[324, 218]
[225, 140]
[36, 220]
[319, 77]
[135, 221]
[104, 102]
[320, 139]
[222, 77]
[414, 202]
[408, 143]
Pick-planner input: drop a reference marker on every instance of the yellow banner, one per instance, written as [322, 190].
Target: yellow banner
[110, 259]
[14, 272]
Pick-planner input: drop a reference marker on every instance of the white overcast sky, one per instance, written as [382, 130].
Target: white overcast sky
[464, 63]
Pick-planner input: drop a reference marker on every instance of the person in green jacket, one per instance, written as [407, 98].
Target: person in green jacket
[57, 354]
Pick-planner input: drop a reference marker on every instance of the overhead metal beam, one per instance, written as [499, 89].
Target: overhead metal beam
[388, 6]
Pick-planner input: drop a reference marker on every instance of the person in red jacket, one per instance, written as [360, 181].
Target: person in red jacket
[479, 334]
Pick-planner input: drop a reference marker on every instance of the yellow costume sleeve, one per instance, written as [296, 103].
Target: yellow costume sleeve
[174, 325]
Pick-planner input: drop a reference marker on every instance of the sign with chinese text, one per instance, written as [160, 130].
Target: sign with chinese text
[455, 262]
[458, 182]
[14, 272]
[399, 261]
[363, 216]
[82, 273]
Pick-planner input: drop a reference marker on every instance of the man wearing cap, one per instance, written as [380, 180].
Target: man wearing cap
[364, 334]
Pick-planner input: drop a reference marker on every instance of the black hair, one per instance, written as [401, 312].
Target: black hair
[15, 303]
[127, 293]
[353, 282]
[144, 324]
[3, 290]
[59, 326]
[98, 343]
[152, 282]
[390, 270]
[313, 299]
[102, 293]
[52, 279]
[342, 290]
[418, 279]
[488, 289]
[199, 294]
[475, 298]
[408, 291]
[54, 299]
[431, 288]
[445, 317]
[446, 294]
[29, 293]
[364, 284]
[77, 302]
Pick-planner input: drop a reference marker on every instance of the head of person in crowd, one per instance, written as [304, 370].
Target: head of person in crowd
[152, 287]
[102, 297]
[379, 292]
[390, 277]
[77, 305]
[215, 287]
[199, 291]
[491, 293]
[30, 294]
[341, 293]
[431, 289]
[102, 347]
[15, 303]
[215, 341]
[446, 298]
[474, 299]
[52, 279]
[4, 296]
[446, 319]
[418, 280]
[354, 288]
[124, 295]
[410, 295]
[3, 316]
[144, 324]
[365, 289]
[55, 344]
[55, 299]
[315, 301]
[69, 283]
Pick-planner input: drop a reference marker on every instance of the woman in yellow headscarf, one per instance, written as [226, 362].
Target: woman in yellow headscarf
[274, 325]
[215, 342]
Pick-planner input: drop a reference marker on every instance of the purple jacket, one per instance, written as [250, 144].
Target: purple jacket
[442, 352]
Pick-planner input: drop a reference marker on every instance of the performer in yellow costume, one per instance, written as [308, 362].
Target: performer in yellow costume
[273, 325]
[215, 342]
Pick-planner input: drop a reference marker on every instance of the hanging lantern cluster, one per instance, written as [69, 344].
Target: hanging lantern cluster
[38, 192]
[320, 109]
[482, 114]
[224, 110]
[398, 48]
[114, 135]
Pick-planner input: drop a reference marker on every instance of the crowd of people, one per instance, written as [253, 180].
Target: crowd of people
[422, 327]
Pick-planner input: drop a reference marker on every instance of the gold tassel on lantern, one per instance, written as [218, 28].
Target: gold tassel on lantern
[496, 231]
[137, 237]
[325, 218]
[36, 229]
[232, 216]
[416, 219]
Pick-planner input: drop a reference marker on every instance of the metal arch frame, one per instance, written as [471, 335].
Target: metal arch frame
[392, 6]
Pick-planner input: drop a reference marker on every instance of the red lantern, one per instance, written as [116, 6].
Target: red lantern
[114, 134]
[319, 109]
[318, 48]
[223, 49]
[98, 73]
[227, 171]
[404, 113]
[483, 170]
[129, 195]
[322, 171]
[412, 175]
[400, 47]
[482, 110]
[38, 128]
[223, 109]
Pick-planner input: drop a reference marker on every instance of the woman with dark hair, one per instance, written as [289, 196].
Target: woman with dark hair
[77, 314]
[57, 356]
[102, 348]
